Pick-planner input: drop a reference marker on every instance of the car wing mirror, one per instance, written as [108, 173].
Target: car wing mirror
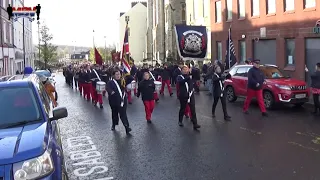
[59, 113]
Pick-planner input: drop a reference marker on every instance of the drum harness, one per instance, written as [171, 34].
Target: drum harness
[122, 95]
[221, 85]
[187, 87]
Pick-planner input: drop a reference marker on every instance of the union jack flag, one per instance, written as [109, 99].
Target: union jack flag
[125, 57]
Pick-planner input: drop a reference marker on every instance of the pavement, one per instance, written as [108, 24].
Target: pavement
[285, 145]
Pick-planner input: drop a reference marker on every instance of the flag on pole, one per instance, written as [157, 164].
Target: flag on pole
[231, 58]
[125, 57]
[97, 56]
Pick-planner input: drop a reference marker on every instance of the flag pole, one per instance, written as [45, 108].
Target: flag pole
[93, 38]
[229, 49]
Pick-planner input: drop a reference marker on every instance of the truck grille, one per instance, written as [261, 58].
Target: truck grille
[298, 88]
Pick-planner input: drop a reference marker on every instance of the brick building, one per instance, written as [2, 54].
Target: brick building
[280, 32]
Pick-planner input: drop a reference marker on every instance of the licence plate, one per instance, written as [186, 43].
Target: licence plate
[300, 96]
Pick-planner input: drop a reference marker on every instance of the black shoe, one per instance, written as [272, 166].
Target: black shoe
[128, 130]
[227, 118]
[213, 115]
[187, 117]
[130, 102]
[246, 112]
[157, 100]
[265, 114]
[113, 127]
[171, 94]
[196, 126]
[101, 106]
[149, 121]
[180, 124]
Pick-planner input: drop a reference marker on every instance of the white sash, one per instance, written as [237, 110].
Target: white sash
[221, 86]
[152, 76]
[96, 74]
[122, 95]
[187, 87]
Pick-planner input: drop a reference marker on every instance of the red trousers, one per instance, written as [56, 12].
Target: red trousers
[86, 90]
[254, 93]
[165, 82]
[155, 95]
[148, 108]
[129, 96]
[187, 112]
[97, 98]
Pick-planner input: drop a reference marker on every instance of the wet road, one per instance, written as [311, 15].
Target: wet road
[285, 145]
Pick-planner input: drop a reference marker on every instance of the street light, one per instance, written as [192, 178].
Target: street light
[39, 40]
[105, 47]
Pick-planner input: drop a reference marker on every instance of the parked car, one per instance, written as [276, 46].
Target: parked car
[30, 143]
[277, 88]
[47, 74]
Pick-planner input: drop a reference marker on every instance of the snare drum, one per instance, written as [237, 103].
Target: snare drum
[131, 86]
[158, 85]
[100, 86]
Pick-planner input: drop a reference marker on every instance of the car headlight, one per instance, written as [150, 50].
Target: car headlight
[284, 87]
[33, 168]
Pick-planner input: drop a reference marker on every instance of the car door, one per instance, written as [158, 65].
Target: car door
[242, 80]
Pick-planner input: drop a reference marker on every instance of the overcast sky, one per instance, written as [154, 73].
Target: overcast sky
[74, 20]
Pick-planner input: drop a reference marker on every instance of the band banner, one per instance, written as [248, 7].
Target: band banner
[191, 42]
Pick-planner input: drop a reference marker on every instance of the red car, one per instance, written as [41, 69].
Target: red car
[277, 88]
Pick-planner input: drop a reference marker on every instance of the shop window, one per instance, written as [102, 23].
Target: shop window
[309, 3]
[289, 5]
[218, 11]
[242, 50]
[255, 7]
[219, 51]
[241, 8]
[290, 50]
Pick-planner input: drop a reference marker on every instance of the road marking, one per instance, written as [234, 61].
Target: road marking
[316, 137]
[250, 130]
[304, 147]
[87, 160]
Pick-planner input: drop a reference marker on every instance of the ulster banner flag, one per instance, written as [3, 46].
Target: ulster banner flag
[125, 57]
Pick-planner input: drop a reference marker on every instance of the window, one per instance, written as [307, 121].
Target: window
[243, 71]
[289, 5]
[219, 51]
[255, 7]
[4, 31]
[271, 6]
[218, 11]
[18, 104]
[290, 50]
[242, 48]
[309, 3]
[229, 10]
[241, 8]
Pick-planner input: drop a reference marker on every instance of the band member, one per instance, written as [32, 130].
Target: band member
[118, 101]
[81, 80]
[86, 83]
[129, 78]
[315, 89]
[195, 72]
[176, 73]
[96, 96]
[154, 76]
[146, 88]
[165, 77]
[186, 96]
[218, 91]
[255, 84]
[51, 90]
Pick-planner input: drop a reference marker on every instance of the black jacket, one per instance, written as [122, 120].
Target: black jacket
[255, 75]
[216, 79]
[129, 79]
[116, 98]
[315, 80]
[146, 88]
[183, 94]
[195, 72]
[165, 74]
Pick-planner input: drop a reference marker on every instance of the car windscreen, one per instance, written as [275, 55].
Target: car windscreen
[43, 73]
[271, 72]
[18, 104]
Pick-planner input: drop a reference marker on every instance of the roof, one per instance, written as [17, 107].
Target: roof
[17, 80]
[133, 6]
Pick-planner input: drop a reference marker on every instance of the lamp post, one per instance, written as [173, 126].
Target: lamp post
[127, 19]
[39, 41]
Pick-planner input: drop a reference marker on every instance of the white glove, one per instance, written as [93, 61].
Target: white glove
[257, 85]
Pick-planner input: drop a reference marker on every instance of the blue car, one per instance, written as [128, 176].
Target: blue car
[30, 144]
